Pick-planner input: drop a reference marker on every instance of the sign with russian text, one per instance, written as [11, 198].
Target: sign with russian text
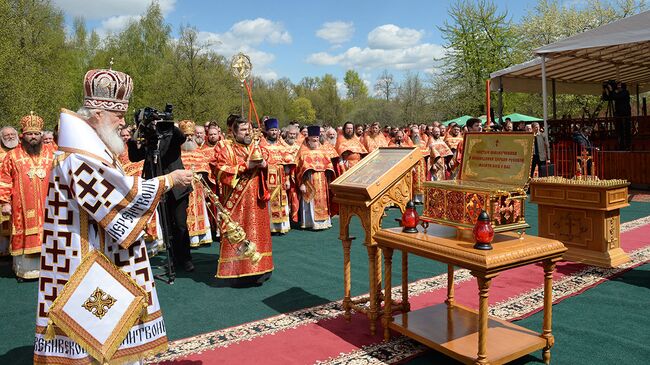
[497, 157]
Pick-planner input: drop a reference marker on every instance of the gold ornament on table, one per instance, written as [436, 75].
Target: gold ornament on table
[232, 230]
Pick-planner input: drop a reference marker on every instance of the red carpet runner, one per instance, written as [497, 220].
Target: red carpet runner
[321, 335]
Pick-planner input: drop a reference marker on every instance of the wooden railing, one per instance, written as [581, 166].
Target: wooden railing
[604, 133]
[633, 166]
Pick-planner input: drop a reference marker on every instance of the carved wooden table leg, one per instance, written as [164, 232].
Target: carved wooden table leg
[450, 285]
[372, 272]
[388, 316]
[378, 279]
[346, 279]
[549, 268]
[483, 290]
[406, 306]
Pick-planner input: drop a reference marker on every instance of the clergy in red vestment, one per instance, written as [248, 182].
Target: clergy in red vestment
[280, 162]
[214, 135]
[315, 170]
[399, 140]
[196, 160]
[440, 153]
[244, 194]
[374, 139]
[125, 135]
[23, 187]
[349, 147]
[328, 144]
[454, 140]
[292, 146]
[200, 137]
[8, 141]
[420, 170]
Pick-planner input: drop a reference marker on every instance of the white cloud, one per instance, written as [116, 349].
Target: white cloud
[389, 47]
[324, 59]
[245, 36]
[418, 57]
[259, 30]
[336, 32]
[390, 36]
[102, 9]
[115, 24]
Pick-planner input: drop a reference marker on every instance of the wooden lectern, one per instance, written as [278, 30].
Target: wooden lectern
[381, 179]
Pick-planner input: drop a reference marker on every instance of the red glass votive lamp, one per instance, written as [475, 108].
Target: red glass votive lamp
[483, 232]
[410, 218]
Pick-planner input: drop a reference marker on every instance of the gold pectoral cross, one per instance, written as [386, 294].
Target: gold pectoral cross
[39, 172]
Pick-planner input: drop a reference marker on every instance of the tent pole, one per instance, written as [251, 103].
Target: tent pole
[554, 102]
[638, 101]
[544, 102]
[501, 99]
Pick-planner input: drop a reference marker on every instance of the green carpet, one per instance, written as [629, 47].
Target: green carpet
[308, 271]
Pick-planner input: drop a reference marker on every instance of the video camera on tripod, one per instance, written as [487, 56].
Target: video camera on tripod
[609, 95]
[147, 119]
[154, 127]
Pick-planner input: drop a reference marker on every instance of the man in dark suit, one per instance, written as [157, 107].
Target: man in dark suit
[541, 154]
[168, 138]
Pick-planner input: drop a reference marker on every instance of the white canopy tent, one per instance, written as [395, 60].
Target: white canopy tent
[580, 64]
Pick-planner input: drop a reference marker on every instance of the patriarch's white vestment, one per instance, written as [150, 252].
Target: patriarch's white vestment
[92, 205]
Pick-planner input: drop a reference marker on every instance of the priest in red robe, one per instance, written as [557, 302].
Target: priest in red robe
[23, 187]
[244, 194]
[280, 162]
[349, 147]
[315, 171]
[197, 161]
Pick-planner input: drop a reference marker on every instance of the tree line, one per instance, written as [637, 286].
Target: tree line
[42, 65]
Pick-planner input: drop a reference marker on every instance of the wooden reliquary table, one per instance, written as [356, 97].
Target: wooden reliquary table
[459, 332]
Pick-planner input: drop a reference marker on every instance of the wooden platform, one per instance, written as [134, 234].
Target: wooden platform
[453, 330]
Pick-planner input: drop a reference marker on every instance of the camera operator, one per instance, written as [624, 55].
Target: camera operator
[159, 133]
[617, 93]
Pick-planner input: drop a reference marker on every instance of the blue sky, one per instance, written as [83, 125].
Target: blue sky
[302, 38]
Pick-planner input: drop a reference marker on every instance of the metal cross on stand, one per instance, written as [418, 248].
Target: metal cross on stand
[583, 162]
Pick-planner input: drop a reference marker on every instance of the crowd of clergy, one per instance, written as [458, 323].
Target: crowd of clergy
[300, 162]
